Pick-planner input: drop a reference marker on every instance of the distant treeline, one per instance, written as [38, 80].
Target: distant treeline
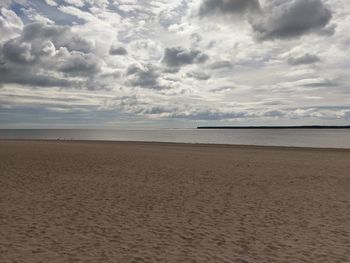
[275, 127]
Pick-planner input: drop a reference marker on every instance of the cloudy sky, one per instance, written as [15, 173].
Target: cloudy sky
[159, 63]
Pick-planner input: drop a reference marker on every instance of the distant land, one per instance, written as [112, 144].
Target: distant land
[274, 127]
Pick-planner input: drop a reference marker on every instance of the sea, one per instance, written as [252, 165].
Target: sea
[319, 138]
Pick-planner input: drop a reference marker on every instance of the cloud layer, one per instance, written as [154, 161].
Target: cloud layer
[177, 63]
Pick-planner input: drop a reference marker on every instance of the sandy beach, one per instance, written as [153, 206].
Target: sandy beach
[66, 201]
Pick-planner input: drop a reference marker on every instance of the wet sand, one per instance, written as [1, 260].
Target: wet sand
[157, 202]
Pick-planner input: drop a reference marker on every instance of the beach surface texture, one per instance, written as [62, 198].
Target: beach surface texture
[66, 201]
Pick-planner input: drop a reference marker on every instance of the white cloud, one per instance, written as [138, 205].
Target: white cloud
[51, 2]
[10, 24]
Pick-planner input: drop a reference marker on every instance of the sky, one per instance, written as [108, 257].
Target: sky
[173, 64]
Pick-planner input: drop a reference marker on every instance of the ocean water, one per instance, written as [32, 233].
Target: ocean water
[328, 138]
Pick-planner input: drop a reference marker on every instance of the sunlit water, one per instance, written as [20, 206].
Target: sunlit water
[330, 138]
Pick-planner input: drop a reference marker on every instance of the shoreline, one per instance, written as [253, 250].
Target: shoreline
[188, 144]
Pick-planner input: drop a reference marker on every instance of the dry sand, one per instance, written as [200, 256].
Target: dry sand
[157, 202]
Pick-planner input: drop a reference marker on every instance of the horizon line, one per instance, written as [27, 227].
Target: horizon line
[278, 127]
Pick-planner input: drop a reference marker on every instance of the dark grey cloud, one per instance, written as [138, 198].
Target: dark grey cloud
[195, 39]
[78, 43]
[329, 30]
[61, 36]
[78, 63]
[303, 60]
[40, 30]
[289, 19]
[278, 19]
[274, 113]
[189, 112]
[213, 115]
[221, 65]
[155, 110]
[170, 70]
[145, 76]
[219, 7]
[323, 107]
[17, 51]
[175, 57]
[30, 78]
[20, 64]
[113, 75]
[198, 75]
[222, 89]
[39, 39]
[323, 84]
[118, 50]
[47, 55]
